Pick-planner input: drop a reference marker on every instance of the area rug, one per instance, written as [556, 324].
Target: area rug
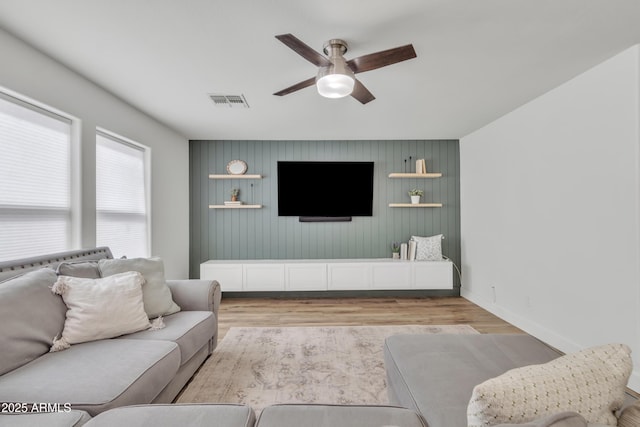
[335, 364]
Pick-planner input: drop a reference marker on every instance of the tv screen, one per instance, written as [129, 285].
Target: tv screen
[325, 189]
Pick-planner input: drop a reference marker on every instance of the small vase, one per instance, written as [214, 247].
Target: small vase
[415, 200]
[395, 255]
[234, 198]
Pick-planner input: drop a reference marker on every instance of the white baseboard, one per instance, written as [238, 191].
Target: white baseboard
[532, 328]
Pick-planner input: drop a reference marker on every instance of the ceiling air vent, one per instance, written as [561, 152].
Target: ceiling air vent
[229, 101]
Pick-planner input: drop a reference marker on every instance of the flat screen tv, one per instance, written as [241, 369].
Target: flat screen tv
[325, 189]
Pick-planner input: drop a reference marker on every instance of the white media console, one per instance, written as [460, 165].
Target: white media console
[328, 274]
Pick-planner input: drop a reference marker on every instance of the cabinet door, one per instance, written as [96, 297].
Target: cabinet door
[228, 275]
[264, 277]
[349, 276]
[306, 277]
[391, 275]
[432, 275]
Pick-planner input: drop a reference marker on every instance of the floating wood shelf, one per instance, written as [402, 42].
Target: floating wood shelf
[229, 176]
[415, 175]
[414, 205]
[235, 207]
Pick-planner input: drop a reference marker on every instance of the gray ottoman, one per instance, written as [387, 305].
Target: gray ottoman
[338, 416]
[193, 415]
[51, 419]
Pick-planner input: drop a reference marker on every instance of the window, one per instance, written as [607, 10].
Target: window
[35, 180]
[122, 195]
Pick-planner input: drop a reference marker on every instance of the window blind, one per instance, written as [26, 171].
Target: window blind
[35, 180]
[122, 220]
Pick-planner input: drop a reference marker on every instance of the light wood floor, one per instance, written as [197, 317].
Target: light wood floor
[357, 311]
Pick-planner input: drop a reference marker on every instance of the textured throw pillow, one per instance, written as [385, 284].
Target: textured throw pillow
[100, 308]
[428, 248]
[630, 417]
[156, 293]
[86, 269]
[590, 382]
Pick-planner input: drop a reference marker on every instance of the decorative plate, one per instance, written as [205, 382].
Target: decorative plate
[236, 167]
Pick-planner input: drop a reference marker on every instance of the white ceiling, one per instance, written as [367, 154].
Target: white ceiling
[477, 59]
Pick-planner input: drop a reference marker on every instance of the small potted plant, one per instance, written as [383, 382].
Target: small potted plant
[395, 250]
[415, 195]
[234, 194]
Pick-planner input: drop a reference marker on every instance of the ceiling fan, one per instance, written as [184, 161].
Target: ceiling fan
[336, 77]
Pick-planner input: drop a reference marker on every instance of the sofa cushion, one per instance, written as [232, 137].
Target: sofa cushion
[30, 316]
[296, 415]
[100, 308]
[189, 329]
[62, 418]
[435, 374]
[192, 415]
[156, 292]
[95, 376]
[590, 382]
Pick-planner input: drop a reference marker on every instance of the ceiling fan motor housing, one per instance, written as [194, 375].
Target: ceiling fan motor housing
[330, 47]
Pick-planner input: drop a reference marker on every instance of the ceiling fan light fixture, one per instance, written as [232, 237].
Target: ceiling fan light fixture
[331, 84]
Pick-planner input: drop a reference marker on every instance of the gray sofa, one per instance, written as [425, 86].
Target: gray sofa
[140, 368]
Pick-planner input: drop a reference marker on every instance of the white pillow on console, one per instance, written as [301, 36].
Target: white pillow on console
[428, 248]
[100, 308]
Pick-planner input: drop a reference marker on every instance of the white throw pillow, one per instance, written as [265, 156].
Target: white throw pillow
[100, 308]
[428, 248]
[590, 382]
[156, 293]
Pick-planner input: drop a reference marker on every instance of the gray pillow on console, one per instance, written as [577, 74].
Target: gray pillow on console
[30, 317]
[429, 248]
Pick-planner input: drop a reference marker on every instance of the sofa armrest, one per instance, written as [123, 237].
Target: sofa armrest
[196, 295]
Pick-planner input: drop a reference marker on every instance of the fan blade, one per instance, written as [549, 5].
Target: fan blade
[297, 86]
[303, 50]
[361, 93]
[381, 59]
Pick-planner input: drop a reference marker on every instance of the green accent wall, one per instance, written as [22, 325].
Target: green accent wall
[262, 234]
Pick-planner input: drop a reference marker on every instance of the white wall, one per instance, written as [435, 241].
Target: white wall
[549, 206]
[35, 75]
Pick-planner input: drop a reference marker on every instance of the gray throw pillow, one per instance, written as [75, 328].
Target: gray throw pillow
[157, 297]
[30, 317]
[84, 269]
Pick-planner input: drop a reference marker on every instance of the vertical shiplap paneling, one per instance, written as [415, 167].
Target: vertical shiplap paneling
[195, 208]
[262, 234]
